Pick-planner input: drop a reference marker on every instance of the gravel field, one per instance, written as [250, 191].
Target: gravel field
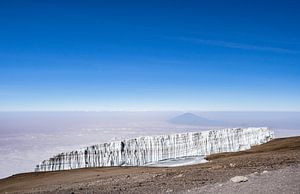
[286, 180]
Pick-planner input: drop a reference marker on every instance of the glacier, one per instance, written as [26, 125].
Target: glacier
[146, 150]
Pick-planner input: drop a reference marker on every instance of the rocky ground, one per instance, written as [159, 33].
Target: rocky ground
[285, 180]
[280, 159]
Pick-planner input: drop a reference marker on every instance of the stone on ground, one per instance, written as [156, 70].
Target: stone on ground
[239, 179]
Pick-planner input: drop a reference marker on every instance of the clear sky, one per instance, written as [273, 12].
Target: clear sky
[150, 55]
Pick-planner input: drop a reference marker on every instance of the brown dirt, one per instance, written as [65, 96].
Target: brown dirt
[277, 154]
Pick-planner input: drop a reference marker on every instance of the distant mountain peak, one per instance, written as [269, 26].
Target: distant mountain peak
[189, 115]
[189, 119]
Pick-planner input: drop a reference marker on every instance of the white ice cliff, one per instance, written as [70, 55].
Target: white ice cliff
[150, 149]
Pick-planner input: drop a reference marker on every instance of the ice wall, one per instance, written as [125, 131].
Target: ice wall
[150, 149]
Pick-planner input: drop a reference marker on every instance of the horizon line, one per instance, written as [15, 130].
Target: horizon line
[186, 111]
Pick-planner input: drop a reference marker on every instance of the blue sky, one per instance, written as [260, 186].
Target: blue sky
[138, 55]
